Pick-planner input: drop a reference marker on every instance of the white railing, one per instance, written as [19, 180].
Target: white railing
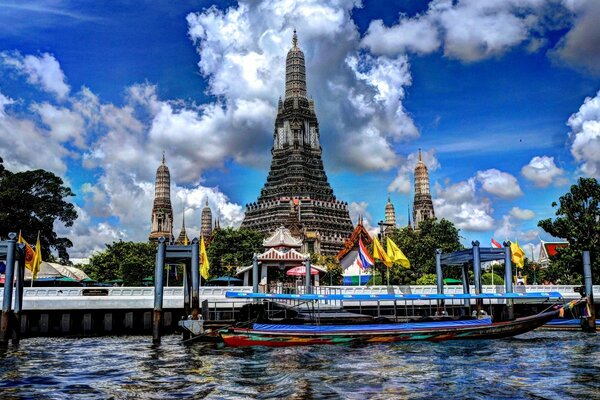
[56, 298]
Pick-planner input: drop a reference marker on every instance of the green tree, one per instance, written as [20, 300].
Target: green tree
[334, 269]
[419, 247]
[33, 201]
[427, 279]
[578, 222]
[232, 248]
[129, 261]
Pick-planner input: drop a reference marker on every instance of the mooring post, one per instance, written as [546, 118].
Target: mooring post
[19, 275]
[589, 325]
[308, 270]
[186, 288]
[158, 291]
[195, 278]
[508, 283]
[7, 315]
[440, 277]
[477, 274]
[255, 273]
[466, 287]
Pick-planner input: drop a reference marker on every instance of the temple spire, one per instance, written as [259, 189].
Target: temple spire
[295, 39]
[420, 157]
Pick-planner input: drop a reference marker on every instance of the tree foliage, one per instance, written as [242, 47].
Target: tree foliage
[231, 248]
[578, 222]
[32, 202]
[129, 261]
[419, 247]
[334, 269]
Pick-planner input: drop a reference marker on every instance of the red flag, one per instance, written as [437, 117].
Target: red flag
[496, 244]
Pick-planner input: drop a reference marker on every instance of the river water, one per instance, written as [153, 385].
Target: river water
[537, 365]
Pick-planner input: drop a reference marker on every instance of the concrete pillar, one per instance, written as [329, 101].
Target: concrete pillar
[65, 323]
[195, 262]
[147, 321]
[589, 325]
[19, 277]
[466, 286]
[128, 323]
[255, 273]
[159, 270]
[307, 289]
[438, 271]
[205, 313]
[108, 322]
[87, 323]
[168, 318]
[508, 279]
[7, 316]
[44, 323]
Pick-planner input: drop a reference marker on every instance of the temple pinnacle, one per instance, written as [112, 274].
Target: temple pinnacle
[295, 39]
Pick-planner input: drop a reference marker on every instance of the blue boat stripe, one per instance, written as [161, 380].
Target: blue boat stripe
[458, 296]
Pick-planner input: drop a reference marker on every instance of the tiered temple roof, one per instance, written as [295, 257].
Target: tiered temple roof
[297, 193]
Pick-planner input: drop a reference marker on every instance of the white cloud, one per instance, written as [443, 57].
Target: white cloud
[542, 171]
[520, 213]
[41, 70]
[358, 97]
[585, 136]
[472, 30]
[410, 34]
[499, 183]
[580, 47]
[460, 204]
[65, 125]
[511, 230]
[33, 148]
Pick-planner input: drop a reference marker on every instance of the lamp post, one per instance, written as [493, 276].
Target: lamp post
[533, 266]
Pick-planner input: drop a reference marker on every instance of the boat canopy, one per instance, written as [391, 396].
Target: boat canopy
[376, 297]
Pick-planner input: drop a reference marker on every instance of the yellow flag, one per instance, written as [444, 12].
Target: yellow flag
[203, 260]
[518, 255]
[37, 259]
[380, 254]
[396, 255]
[29, 254]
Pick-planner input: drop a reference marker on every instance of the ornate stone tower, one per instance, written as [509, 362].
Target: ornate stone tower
[390, 214]
[422, 206]
[162, 212]
[182, 239]
[297, 193]
[206, 226]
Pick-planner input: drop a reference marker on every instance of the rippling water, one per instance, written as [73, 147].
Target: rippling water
[538, 365]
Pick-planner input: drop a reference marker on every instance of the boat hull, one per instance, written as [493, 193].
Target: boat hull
[238, 337]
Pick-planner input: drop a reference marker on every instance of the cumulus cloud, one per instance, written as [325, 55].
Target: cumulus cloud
[124, 150]
[43, 70]
[472, 30]
[585, 136]
[511, 230]
[35, 147]
[501, 184]
[418, 35]
[402, 183]
[580, 47]
[542, 171]
[358, 97]
[460, 204]
[520, 213]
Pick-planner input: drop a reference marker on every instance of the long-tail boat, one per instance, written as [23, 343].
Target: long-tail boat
[276, 335]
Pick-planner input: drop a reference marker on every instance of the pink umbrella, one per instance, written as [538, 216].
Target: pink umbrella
[301, 271]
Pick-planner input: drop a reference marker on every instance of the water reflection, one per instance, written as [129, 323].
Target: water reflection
[537, 365]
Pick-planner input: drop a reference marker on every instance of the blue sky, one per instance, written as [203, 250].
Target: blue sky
[502, 96]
